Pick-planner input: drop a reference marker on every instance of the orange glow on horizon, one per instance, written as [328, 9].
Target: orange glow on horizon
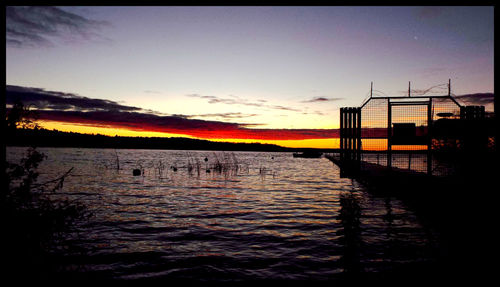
[85, 129]
[327, 143]
[381, 145]
[330, 143]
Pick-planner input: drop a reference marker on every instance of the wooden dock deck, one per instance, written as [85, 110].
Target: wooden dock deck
[409, 185]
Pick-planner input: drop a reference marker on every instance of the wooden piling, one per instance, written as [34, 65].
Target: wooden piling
[350, 139]
[429, 137]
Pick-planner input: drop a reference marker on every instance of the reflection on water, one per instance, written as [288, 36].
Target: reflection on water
[349, 216]
[260, 216]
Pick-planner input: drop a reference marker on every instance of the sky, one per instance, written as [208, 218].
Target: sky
[242, 74]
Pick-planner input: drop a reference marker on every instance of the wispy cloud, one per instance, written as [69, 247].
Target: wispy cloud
[238, 101]
[322, 99]
[151, 92]
[228, 116]
[481, 99]
[38, 25]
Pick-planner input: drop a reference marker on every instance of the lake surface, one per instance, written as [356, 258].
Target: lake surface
[259, 216]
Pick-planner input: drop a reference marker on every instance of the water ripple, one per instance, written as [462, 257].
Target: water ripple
[298, 220]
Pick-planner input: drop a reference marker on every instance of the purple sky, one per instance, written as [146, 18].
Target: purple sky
[267, 65]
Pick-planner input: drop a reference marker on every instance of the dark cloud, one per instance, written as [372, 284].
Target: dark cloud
[321, 99]
[74, 109]
[36, 25]
[284, 108]
[480, 99]
[179, 125]
[135, 120]
[42, 99]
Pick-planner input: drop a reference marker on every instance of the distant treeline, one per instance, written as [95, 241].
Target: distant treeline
[54, 138]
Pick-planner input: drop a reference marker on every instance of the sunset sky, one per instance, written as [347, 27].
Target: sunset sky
[244, 74]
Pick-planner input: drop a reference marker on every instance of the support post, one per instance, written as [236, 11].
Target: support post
[354, 131]
[429, 137]
[359, 135]
[342, 136]
[389, 134]
[449, 87]
[350, 139]
[349, 132]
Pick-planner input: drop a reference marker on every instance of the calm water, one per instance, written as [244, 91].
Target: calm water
[274, 217]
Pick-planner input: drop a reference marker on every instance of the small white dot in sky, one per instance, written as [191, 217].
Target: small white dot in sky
[415, 37]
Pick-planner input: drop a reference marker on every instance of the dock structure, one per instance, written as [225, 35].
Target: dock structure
[350, 138]
[416, 134]
[439, 157]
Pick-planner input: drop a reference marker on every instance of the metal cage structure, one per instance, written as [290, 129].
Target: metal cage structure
[405, 132]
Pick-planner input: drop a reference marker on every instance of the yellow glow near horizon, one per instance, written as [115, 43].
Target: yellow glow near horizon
[66, 127]
[381, 145]
[330, 143]
[310, 143]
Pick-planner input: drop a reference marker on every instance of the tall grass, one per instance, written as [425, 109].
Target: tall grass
[226, 164]
[223, 163]
[194, 165]
[159, 167]
[117, 161]
[263, 172]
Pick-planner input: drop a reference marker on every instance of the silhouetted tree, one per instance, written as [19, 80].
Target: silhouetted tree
[20, 116]
[30, 219]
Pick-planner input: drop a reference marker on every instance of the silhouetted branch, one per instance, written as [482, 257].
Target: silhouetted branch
[59, 181]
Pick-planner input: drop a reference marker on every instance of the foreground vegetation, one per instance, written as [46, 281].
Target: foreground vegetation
[33, 222]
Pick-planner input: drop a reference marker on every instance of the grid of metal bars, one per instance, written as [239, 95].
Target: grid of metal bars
[374, 124]
[385, 119]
